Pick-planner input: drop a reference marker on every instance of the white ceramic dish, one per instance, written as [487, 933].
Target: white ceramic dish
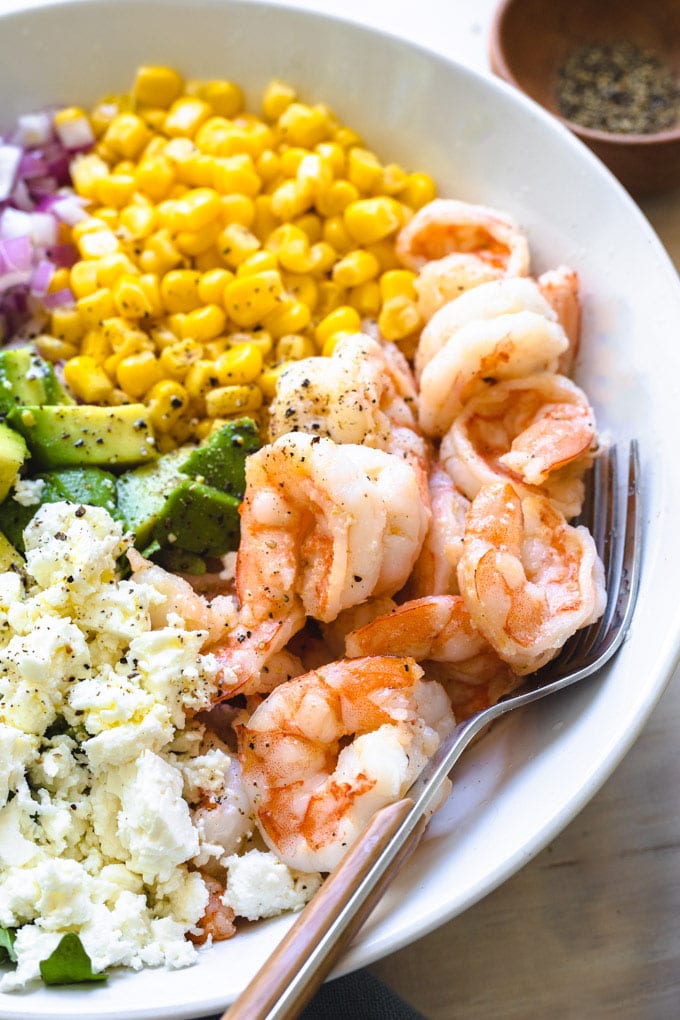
[483, 142]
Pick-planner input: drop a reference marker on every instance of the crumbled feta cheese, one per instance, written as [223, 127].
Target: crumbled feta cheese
[28, 491]
[260, 885]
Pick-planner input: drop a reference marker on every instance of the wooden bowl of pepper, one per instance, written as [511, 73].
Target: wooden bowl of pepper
[609, 70]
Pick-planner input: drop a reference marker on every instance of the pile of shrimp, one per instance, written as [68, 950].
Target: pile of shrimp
[406, 551]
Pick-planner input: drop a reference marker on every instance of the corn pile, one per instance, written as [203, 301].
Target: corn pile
[222, 245]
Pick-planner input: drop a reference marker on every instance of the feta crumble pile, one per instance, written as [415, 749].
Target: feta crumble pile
[99, 764]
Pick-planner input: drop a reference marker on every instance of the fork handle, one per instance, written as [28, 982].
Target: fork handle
[288, 980]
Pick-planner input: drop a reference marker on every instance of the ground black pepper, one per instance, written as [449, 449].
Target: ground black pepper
[618, 87]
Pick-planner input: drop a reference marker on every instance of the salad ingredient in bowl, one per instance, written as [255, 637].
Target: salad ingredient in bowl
[225, 364]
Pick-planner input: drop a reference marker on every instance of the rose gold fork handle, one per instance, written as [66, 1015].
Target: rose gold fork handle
[320, 915]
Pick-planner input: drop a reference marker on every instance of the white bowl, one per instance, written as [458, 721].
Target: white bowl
[483, 142]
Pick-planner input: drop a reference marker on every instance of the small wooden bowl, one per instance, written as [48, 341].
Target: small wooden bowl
[531, 39]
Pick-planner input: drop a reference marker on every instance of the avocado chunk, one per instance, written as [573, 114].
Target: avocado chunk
[89, 485]
[79, 435]
[198, 519]
[10, 559]
[141, 494]
[221, 461]
[26, 378]
[13, 453]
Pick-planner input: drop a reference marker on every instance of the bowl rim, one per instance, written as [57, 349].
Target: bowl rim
[499, 62]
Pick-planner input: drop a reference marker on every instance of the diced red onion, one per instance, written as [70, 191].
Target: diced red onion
[10, 157]
[34, 129]
[62, 255]
[41, 277]
[58, 298]
[16, 254]
[69, 209]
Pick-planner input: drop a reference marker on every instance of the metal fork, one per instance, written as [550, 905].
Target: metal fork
[299, 964]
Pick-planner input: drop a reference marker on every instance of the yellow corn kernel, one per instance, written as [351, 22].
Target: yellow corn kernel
[177, 358]
[296, 256]
[200, 379]
[258, 136]
[372, 219]
[398, 318]
[175, 322]
[211, 286]
[83, 278]
[182, 430]
[138, 373]
[311, 224]
[303, 125]
[259, 338]
[196, 209]
[277, 97]
[248, 299]
[290, 199]
[237, 209]
[419, 190]
[95, 345]
[343, 319]
[120, 335]
[290, 158]
[331, 342]
[213, 135]
[335, 233]
[268, 165]
[125, 166]
[185, 116]
[86, 226]
[303, 287]
[228, 400]
[96, 307]
[364, 169]
[330, 298]
[347, 138]
[60, 280]
[86, 171]
[153, 117]
[116, 190]
[333, 156]
[156, 85]
[87, 380]
[203, 323]
[107, 215]
[102, 114]
[285, 235]
[126, 135]
[269, 378]
[204, 428]
[214, 348]
[167, 401]
[160, 254]
[398, 283]
[394, 179]
[386, 255]
[151, 287]
[236, 174]
[323, 256]
[258, 262]
[195, 242]
[96, 243]
[289, 316]
[356, 267]
[293, 347]
[366, 299]
[53, 349]
[131, 300]
[138, 220]
[236, 243]
[109, 267]
[239, 365]
[199, 170]
[265, 221]
[207, 260]
[225, 97]
[313, 175]
[154, 176]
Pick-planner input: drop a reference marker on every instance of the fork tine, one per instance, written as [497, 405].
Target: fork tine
[598, 516]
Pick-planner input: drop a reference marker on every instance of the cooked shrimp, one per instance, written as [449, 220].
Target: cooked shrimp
[560, 287]
[483, 353]
[488, 301]
[534, 432]
[178, 597]
[445, 226]
[313, 792]
[326, 525]
[355, 396]
[221, 813]
[252, 659]
[435, 571]
[438, 627]
[217, 923]
[443, 280]
[335, 632]
[529, 579]
[473, 684]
